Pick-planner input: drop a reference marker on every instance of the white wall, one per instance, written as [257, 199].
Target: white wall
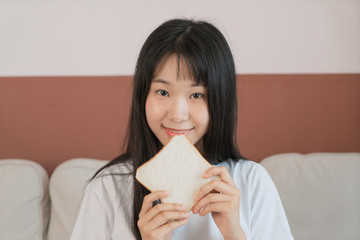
[103, 37]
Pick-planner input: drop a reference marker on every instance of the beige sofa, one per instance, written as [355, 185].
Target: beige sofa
[319, 191]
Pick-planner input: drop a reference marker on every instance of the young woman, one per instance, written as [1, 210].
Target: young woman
[184, 83]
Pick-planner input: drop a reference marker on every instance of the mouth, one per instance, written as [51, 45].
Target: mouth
[172, 132]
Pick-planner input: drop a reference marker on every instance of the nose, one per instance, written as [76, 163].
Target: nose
[178, 110]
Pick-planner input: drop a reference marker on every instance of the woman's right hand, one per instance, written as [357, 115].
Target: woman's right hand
[159, 222]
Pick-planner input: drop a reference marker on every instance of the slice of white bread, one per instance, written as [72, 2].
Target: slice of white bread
[177, 168]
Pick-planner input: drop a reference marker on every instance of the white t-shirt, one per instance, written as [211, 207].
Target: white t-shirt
[106, 211]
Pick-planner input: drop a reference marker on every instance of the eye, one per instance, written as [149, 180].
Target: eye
[196, 95]
[162, 93]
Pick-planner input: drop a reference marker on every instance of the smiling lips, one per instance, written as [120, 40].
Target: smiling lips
[172, 132]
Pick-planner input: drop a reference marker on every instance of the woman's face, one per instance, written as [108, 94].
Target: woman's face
[176, 104]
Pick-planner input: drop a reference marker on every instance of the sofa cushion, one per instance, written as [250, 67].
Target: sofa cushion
[24, 200]
[320, 193]
[67, 185]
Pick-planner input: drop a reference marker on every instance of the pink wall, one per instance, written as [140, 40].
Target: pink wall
[52, 119]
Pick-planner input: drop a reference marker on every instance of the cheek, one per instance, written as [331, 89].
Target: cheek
[152, 109]
[202, 116]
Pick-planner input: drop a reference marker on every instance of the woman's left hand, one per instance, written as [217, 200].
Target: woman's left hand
[222, 199]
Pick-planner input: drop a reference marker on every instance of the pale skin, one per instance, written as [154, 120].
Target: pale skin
[179, 106]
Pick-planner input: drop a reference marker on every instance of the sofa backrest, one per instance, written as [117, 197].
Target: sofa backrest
[320, 193]
[24, 200]
[67, 186]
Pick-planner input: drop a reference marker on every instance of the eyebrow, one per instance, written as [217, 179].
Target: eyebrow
[200, 84]
[161, 81]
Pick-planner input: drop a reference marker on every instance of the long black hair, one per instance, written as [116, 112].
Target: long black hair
[209, 61]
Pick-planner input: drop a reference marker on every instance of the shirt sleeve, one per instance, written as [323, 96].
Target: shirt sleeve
[268, 219]
[92, 222]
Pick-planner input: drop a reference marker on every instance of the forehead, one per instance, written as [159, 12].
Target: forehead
[174, 66]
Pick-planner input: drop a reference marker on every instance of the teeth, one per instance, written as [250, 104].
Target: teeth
[177, 131]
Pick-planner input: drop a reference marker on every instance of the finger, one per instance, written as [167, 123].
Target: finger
[164, 207]
[222, 172]
[167, 217]
[218, 186]
[170, 226]
[224, 208]
[149, 199]
[211, 198]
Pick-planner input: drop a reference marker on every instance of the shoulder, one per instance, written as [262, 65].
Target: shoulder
[245, 169]
[253, 181]
[106, 203]
[249, 176]
[119, 168]
[112, 182]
